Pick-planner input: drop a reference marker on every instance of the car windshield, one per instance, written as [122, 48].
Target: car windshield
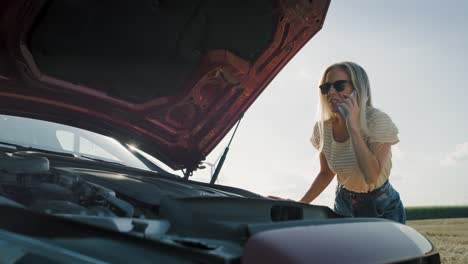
[50, 136]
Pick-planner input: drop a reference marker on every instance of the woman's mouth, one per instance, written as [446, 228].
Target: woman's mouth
[334, 103]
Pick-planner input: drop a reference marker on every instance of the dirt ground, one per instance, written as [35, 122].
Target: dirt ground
[450, 236]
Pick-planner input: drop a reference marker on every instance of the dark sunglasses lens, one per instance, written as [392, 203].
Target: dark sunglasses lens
[325, 87]
[339, 86]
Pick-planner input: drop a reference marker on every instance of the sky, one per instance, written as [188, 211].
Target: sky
[414, 53]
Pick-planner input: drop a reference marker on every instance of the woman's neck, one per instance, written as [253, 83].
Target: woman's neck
[339, 129]
[338, 121]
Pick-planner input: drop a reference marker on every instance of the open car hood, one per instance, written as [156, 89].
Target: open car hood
[171, 77]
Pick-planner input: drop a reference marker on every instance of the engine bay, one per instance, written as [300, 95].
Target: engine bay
[137, 204]
[29, 181]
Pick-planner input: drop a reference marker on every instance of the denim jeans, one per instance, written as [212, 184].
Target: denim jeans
[383, 202]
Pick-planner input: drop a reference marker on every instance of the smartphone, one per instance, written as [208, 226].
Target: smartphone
[343, 111]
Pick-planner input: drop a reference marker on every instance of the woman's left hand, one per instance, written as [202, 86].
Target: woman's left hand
[351, 105]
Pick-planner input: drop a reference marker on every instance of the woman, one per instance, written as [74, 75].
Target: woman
[354, 140]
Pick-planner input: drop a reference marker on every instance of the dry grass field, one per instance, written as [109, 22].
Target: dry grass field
[450, 236]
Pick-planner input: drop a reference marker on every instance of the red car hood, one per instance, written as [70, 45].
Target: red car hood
[171, 77]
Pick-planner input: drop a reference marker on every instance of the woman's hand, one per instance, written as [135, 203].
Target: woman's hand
[351, 105]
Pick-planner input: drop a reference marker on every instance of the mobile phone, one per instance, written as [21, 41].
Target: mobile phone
[343, 111]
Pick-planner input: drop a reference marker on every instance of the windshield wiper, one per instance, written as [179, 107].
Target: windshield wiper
[82, 157]
[101, 160]
[73, 155]
[29, 148]
[16, 146]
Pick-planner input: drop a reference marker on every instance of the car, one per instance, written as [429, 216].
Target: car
[101, 102]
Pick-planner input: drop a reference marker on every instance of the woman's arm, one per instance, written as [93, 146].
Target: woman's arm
[370, 159]
[322, 180]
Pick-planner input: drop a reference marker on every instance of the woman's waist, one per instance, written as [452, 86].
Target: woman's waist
[374, 193]
[355, 182]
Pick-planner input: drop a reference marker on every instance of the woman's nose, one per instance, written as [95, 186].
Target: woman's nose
[332, 91]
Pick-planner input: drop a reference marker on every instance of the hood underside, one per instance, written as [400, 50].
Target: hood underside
[171, 77]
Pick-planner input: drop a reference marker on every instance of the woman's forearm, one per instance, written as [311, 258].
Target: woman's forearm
[367, 161]
[320, 183]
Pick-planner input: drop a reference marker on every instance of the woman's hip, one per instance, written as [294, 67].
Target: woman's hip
[384, 202]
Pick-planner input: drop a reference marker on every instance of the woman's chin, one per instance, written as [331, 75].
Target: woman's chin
[334, 109]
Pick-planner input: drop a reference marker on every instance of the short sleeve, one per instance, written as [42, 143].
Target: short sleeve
[382, 129]
[315, 139]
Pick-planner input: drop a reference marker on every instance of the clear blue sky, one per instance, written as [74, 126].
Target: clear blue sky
[415, 54]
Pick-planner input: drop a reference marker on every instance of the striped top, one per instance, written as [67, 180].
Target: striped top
[340, 155]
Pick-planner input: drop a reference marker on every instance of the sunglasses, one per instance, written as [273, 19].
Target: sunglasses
[339, 85]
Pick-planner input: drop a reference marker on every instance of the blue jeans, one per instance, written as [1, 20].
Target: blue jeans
[383, 202]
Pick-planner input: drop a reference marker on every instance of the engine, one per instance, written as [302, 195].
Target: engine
[29, 181]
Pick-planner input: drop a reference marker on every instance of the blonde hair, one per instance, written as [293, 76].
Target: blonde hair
[361, 85]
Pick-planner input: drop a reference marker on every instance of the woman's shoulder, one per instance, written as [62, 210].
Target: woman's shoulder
[376, 117]
[381, 126]
[326, 123]
[375, 114]
[317, 132]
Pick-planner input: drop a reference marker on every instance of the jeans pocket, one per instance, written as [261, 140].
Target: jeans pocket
[390, 207]
[386, 208]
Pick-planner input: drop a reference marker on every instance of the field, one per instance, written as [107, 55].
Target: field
[450, 237]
